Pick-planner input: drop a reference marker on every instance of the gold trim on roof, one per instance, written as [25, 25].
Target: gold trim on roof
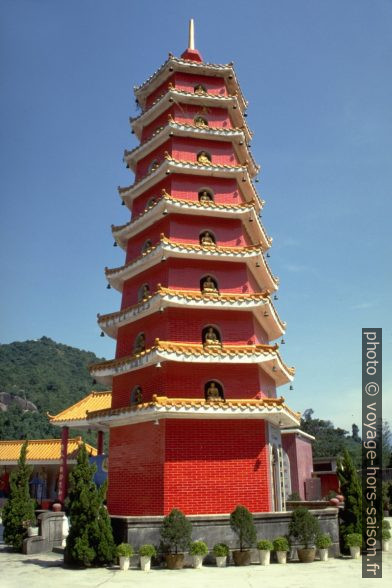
[227, 404]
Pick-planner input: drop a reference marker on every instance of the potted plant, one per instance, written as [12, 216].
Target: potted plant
[281, 547]
[198, 550]
[305, 527]
[176, 537]
[221, 552]
[124, 552]
[323, 541]
[146, 552]
[241, 522]
[386, 535]
[354, 542]
[264, 547]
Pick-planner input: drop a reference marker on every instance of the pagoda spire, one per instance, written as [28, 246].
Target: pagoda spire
[191, 53]
[191, 42]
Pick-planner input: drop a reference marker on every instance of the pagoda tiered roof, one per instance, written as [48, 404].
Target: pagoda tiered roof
[252, 255]
[168, 203]
[168, 297]
[180, 129]
[169, 165]
[274, 410]
[267, 356]
[184, 65]
[172, 95]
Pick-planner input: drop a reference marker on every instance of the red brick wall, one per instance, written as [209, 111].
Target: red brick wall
[216, 117]
[187, 82]
[212, 466]
[151, 380]
[136, 470]
[153, 276]
[328, 482]
[159, 91]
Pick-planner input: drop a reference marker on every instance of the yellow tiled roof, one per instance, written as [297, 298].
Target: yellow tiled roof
[78, 411]
[41, 449]
[197, 402]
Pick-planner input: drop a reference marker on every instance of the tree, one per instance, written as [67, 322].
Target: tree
[90, 540]
[176, 531]
[350, 485]
[18, 512]
[241, 522]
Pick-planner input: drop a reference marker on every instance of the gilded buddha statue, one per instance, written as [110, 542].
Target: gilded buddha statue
[206, 239]
[211, 338]
[140, 343]
[205, 197]
[212, 392]
[208, 286]
[204, 158]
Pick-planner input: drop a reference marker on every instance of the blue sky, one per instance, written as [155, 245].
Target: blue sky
[317, 74]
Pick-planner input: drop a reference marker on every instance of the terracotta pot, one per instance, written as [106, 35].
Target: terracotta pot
[175, 561]
[334, 502]
[56, 507]
[241, 558]
[340, 497]
[306, 555]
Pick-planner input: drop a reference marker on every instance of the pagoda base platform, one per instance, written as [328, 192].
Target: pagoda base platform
[216, 529]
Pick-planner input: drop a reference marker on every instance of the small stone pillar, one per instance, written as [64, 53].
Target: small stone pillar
[63, 475]
[100, 442]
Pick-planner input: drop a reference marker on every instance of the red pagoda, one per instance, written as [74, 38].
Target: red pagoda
[195, 419]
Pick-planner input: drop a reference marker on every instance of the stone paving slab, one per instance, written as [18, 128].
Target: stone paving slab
[46, 570]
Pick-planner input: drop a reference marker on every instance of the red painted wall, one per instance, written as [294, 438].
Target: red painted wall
[211, 466]
[187, 82]
[299, 451]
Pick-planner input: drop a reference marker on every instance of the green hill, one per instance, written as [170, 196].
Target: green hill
[50, 375]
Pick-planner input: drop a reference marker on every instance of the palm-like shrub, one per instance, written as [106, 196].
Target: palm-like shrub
[241, 522]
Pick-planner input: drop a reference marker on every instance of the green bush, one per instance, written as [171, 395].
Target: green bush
[147, 550]
[350, 517]
[90, 540]
[241, 522]
[18, 511]
[386, 524]
[323, 541]
[176, 532]
[304, 526]
[354, 540]
[386, 534]
[124, 550]
[221, 550]
[264, 545]
[281, 544]
[198, 548]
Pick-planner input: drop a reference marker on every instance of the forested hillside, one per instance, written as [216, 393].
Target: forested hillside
[50, 375]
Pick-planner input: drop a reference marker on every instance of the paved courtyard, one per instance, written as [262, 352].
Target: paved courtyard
[40, 571]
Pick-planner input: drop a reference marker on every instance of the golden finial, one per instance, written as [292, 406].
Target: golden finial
[191, 41]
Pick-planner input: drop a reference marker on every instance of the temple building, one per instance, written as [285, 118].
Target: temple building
[194, 416]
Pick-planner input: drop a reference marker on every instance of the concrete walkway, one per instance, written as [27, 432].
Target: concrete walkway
[40, 571]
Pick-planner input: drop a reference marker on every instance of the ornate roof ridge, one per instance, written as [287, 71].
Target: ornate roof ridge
[196, 348]
[194, 294]
[175, 90]
[166, 401]
[169, 198]
[174, 124]
[191, 246]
